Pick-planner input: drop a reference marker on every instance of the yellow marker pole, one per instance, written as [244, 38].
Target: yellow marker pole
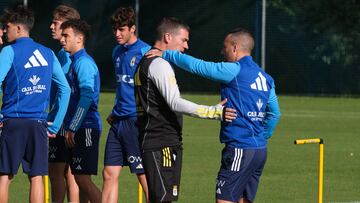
[140, 191]
[46, 189]
[321, 162]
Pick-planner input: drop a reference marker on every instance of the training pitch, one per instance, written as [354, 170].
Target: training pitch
[291, 172]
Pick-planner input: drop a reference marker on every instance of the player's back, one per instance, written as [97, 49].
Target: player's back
[28, 81]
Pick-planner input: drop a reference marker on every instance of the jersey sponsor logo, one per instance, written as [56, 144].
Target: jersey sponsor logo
[257, 115]
[260, 83]
[35, 88]
[36, 60]
[34, 80]
[132, 62]
[259, 104]
[124, 78]
[133, 159]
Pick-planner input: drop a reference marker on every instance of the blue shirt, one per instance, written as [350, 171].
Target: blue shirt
[125, 59]
[64, 59]
[84, 81]
[249, 90]
[27, 69]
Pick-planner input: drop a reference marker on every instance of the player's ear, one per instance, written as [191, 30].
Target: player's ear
[167, 37]
[234, 48]
[80, 39]
[133, 29]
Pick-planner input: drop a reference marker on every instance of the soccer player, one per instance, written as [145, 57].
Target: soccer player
[160, 108]
[59, 171]
[82, 122]
[27, 70]
[122, 146]
[251, 92]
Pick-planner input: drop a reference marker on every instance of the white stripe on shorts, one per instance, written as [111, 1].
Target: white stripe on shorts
[88, 141]
[237, 160]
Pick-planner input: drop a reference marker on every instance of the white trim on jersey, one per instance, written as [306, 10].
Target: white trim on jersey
[80, 111]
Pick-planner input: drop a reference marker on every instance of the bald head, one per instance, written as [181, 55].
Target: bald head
[243, 39]
[237, 44]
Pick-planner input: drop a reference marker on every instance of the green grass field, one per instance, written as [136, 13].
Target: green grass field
[291, 171]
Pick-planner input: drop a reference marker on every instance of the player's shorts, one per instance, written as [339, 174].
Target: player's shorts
[85, 154]
[24, 141]
[58, 151]
[239, 173]
[163, 172]
[122, 146]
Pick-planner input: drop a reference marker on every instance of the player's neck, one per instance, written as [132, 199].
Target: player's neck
[76, 49]
[132, 40]
[160, 45]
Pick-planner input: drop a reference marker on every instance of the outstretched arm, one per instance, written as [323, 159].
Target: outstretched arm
[223, 72]
[163, 76]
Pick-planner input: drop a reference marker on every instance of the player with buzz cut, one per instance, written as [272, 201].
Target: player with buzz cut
[82, 122]
[62, 181]
[251, 91]
[122, 146]
[27, 70]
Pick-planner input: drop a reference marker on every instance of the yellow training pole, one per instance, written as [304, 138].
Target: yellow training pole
[140, 190]
[321, 169]
[321, 162]
[46, 189]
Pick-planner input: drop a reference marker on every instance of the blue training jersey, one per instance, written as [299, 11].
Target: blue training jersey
[84, 81]
[249, 90]
[125, 59]
[27, 69]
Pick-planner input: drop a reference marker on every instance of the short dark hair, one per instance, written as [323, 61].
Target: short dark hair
[171, 25]
[65, 13]
[123, 16]
[19, 15]
[244, 38]
[79, 27]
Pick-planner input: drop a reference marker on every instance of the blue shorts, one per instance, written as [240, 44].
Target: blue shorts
[24, 141]
[85, 154]
[122, 146]
[58, 151]
[239, 173]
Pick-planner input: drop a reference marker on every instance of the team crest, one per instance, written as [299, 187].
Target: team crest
[175, 190]
[132, 62]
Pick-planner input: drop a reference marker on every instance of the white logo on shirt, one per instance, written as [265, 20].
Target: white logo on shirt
[35, 88]
[34, 80]
[259, 104]
[35, 60]
[260, 83]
